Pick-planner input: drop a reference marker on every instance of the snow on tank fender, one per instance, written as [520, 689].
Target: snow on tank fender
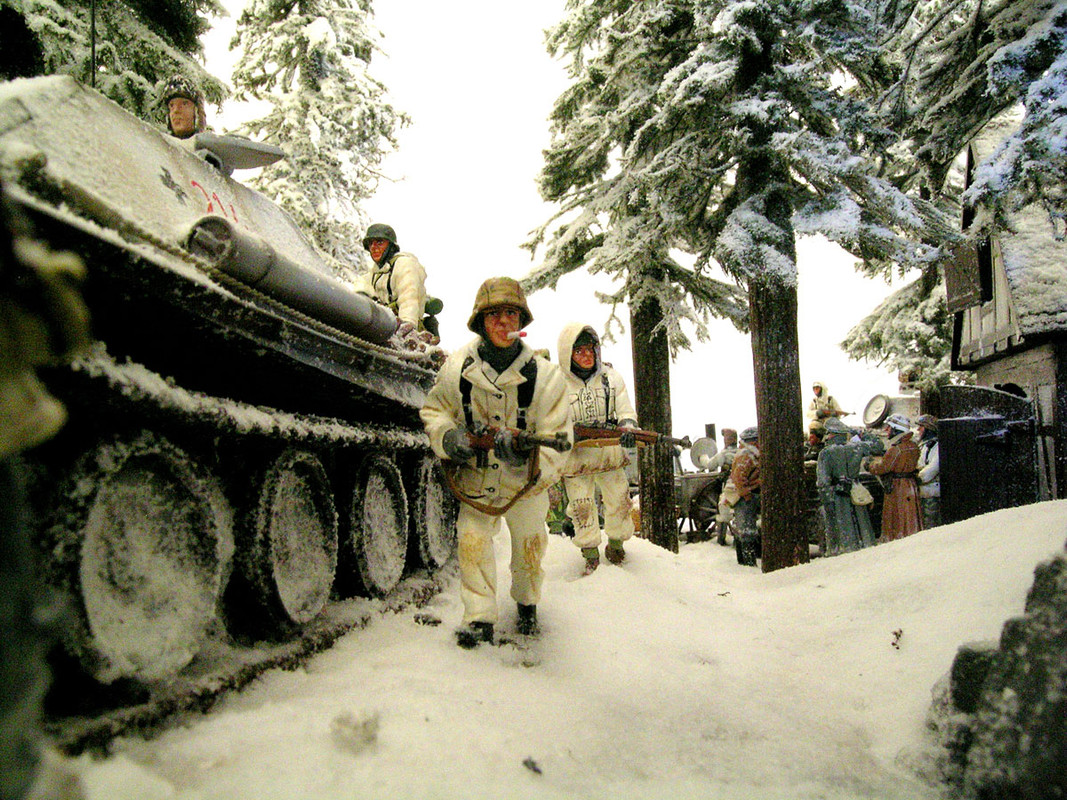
[253, 261]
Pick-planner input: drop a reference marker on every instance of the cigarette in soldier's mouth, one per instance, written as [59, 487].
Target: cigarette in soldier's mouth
[516, 334]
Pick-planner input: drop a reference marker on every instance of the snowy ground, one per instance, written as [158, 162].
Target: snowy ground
[674, 676]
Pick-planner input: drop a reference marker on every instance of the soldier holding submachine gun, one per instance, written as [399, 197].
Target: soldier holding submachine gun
[498, 418]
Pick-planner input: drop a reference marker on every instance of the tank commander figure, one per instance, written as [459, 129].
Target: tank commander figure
[492, 397]
[822, 406]
[184, 107]
[397, 280]
[598, 397]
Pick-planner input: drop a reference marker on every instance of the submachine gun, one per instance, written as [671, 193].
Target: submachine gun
[481, 441]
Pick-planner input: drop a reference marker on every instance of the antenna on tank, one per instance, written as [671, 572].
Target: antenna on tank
[92, 44]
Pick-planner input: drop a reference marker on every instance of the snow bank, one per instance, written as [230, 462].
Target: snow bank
[674, 676]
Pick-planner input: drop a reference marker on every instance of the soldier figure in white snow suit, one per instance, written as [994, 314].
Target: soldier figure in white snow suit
[496, 382]
[598, 398]
[397, 279]
[848, 523]
[722, 462]
[822, 407]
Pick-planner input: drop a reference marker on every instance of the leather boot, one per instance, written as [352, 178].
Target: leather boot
[473, 634]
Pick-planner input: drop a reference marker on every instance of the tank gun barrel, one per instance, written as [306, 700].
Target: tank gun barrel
[253, 261]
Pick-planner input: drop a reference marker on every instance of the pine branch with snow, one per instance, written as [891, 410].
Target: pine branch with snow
[138, 46]
[310, 60]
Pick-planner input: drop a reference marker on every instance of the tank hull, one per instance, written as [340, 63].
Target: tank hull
[218, 431]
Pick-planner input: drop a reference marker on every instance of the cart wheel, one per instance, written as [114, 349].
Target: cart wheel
[702, 511]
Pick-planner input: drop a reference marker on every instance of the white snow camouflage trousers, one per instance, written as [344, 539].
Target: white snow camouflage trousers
[477, 561]
[581, 508]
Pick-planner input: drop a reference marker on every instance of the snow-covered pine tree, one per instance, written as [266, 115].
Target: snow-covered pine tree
[619, 53]
[726, 128]
[138, 45]
[910, 332]
[309, 59]
[953, 66]
[959, 63]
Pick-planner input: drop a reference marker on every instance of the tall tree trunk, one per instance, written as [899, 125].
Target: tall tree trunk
[652, 395]
[772, 303]
[773, 318]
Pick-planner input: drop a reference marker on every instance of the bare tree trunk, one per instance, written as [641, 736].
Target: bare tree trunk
[773, 316]
[652, 396]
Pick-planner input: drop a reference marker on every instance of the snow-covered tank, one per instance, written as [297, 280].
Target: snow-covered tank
[243, 443]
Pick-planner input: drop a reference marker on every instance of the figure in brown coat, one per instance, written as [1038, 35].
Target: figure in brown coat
[745, 475]
[901, 512]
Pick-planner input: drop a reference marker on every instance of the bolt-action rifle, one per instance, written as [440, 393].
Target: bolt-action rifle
[583, 433]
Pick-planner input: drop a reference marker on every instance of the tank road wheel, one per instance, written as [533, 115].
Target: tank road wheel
[433, 517]
[702, 511]
[287, 546]
[375, 548]
[145, 542]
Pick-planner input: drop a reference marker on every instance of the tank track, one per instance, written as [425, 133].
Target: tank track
[77, 724]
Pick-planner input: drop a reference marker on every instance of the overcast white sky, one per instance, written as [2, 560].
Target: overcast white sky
[476, 79]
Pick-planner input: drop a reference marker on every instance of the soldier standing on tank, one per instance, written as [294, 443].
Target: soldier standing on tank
[598, 397]
[496, 381]
[745, 476]
[848, 525]
[42, 321]
[184, 105]
[397, 280]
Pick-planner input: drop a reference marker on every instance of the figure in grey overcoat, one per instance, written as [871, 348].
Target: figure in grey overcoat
[848, 525]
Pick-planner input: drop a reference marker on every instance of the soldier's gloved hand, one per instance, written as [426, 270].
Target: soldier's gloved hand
[628, 438]
[456, 445]
[507, 448]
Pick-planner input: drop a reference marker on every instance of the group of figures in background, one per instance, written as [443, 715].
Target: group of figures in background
[845, 463]
[906, 463]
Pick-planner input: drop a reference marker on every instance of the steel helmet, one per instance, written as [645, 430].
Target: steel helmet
[379, 231]
[898, 422]
[180, 86]
[499, 292]
[750, 434]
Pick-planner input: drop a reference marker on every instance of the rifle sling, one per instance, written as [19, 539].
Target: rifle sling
[533, 475]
